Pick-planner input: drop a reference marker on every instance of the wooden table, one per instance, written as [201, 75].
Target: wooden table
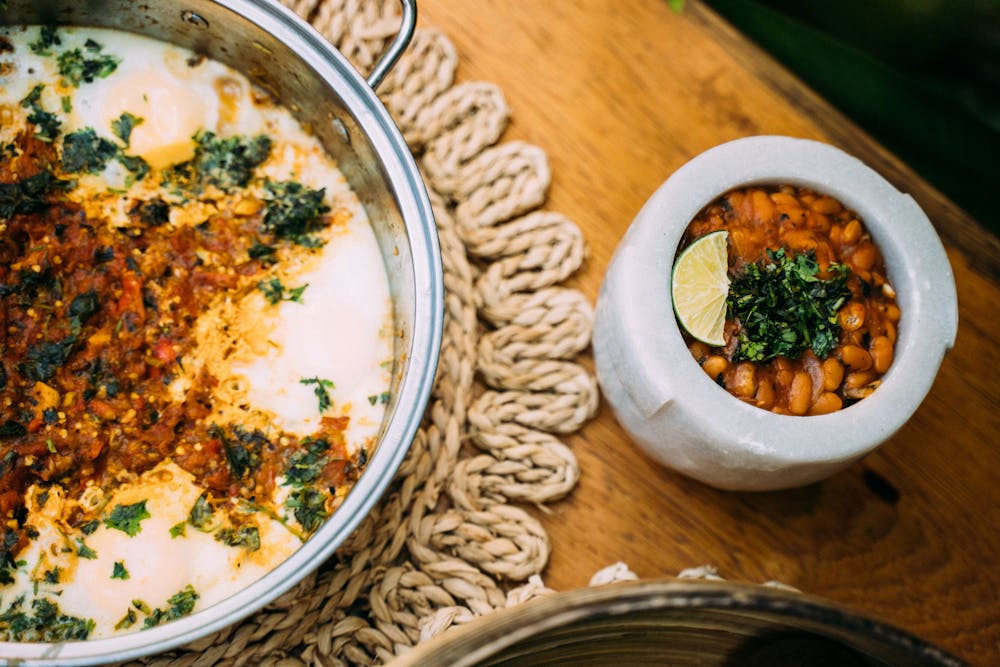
[620, 94]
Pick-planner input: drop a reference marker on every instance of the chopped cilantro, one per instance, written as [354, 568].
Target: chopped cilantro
[260, 251]
[119, 571]
[181, 604]
[225, 163]
[178, 529]
[306, 465]
[201, 514]
[123, 125]
[43, 359]
[50, 445]
[83, 150]
[90, 527]
[275, 292]
[309, 507]
[247, 537]
[784, 308]
[83, 551]
[78, 66]
[46, 624]
[382, 398]
[293, 212]
[67, 104]
[138, 167]
[47, 38]
[46, 124]
[243, 448]
[128, 620]
[30, 195]
[321, 388]
[52, 576]
[126, 518]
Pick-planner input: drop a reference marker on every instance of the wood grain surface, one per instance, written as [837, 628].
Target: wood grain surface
[620, 94]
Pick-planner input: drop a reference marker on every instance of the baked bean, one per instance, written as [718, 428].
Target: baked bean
[826, 403]
[856, 357]
[763, 207]
[800, 393]
[715, 365]
[785, 199]
[852, 316]
[863, 257]
[833, 373]
[698, 350]
[881, 353]
[800, 240]
[852, 232]
[827, 205]
[765, 394]
[744, 380]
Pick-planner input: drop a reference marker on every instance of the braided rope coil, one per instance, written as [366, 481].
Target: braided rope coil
[445, 545]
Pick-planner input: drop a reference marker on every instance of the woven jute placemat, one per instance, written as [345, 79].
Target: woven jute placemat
[455, 536]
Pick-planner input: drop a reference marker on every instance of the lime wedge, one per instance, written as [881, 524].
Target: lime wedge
[699, 286]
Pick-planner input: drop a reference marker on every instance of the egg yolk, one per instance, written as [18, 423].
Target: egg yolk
[171, 115]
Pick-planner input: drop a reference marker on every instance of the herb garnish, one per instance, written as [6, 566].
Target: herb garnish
[306, 465]
[83, 150]
[275, 292]
[46, 624]
[181, 604]
[47, 37]
[201, 514]
[247, 537]
[46, 124]
[78, 66]
[178, 530]
[293, 212]
[320, 388]
[126, 518]
[123, 125]
[309, 507]
[119, 571]
[785, 308]
[83, 551]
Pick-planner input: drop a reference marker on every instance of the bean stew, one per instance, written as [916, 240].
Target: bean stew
[811, 319]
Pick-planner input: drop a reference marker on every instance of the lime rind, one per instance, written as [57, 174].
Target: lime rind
[699, 287]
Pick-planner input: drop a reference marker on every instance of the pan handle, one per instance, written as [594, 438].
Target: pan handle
[397, 45]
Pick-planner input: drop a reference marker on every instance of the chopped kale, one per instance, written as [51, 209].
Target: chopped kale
[43, 360]
[119, 571]
[46, 624]
[321, 388]
[275, 292]
[309, 507]
[293, 212]
[126, 518]
[83, 150]
[181, 604]
[247, 537]
[78, 66]
[123, 126]
[48, 37]
[305, 466]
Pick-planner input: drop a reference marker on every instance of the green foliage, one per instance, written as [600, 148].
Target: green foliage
[321, 388]
[126, 518]
[247, 537]
[309, 506]
[84, 150]
[45, 623]
[306, 465]
[293, 212]
[78, 66]
[785, 308]
[123, 125]
[181, 604]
